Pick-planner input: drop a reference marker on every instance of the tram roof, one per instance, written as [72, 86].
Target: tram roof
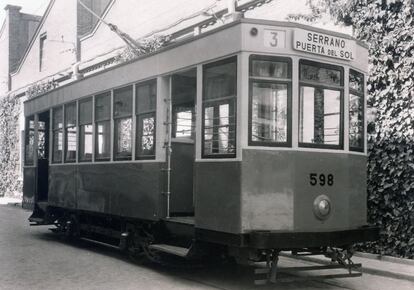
[182, 42]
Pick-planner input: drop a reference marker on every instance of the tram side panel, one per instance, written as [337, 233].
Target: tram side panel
[127, 189]
[217, 200]
[279, 190]
[29, 187]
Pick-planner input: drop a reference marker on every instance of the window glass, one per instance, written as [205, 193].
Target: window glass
[85, 111]
[269, 115]
[123, 138]
[220, 80]
[320, 74]
[85, 142]
[70, 115]
[57, 146]
[356, 81]
[146, 136]
[267, 68]
[356, 111]
[320, 116]
[70, 132]
[29, 141]
[183, 122]
[123, 102]
[219, 99]
[57, 118]
[57, 138]
[103, 106]
[41, 140]
[103, 140]
[146, 99]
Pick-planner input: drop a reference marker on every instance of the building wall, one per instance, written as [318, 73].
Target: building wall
[59, 26]
[15, 34]
[138, 18]
[4, 58]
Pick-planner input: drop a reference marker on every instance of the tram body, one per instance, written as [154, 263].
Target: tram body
[250, 136]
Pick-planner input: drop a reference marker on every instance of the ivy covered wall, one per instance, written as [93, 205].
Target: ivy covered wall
[388, 28]
[10, 177]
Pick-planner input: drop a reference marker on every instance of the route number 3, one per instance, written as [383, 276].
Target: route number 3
[273, 42]
[274, 38]
[321, 179]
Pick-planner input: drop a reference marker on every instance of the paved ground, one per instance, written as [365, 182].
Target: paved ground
[34, 258]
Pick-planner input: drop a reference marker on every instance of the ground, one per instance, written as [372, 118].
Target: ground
[34, 258]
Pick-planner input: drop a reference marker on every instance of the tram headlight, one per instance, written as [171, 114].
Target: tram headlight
[322, 207]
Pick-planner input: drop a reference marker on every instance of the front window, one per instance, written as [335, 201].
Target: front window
[85, 130]
[321, 105]
[146, 97]
[123, 123]
[219, 108]
[29, 141]
[103, 126]
[57, 128]
[356, 111]
[270, 98]
[70, 132]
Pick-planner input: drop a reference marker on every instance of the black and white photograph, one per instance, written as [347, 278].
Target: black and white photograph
[206, 144]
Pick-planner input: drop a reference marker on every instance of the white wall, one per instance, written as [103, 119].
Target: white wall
[60, 28]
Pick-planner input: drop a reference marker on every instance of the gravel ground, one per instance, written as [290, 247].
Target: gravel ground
[35, 258]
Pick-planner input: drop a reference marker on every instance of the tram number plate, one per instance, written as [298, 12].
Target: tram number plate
[321, 179]
[274, 38]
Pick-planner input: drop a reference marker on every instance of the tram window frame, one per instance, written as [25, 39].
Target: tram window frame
[122, 116]
[230, 100]
[361, 95]
[57, 131]
[85, 119]
[271, 80]
[104, 120]
[322, 86]
[141, 115]
[29, 141]
[70, 127]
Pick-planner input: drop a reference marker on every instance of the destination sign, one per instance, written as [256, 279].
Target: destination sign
[324, 44]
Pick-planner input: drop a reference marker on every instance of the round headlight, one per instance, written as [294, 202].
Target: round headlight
[322, 207]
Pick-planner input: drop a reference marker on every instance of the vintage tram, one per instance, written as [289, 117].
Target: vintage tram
[248, 139]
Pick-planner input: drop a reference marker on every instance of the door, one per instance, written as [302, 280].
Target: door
[183, 95]
[43, 157]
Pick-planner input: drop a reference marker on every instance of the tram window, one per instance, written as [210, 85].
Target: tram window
[123, 123]
[29, 141]
[321, 105]
[146, 96]
[85, 130]
[70, 132]
[356, 111]
[219, 108]
[57, 128]
[270, 98]
[103, 126]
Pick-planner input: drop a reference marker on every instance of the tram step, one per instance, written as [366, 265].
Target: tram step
[173, 250]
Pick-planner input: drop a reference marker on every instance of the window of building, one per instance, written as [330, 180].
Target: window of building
[85, 130]
[356, 111]
[123, 123]
[29, 141]
[146, 99]
[270, 101]
[103, 126]
[57, 134]
[219, 108]
[321, 105]
[70, 132]
[42, 51]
